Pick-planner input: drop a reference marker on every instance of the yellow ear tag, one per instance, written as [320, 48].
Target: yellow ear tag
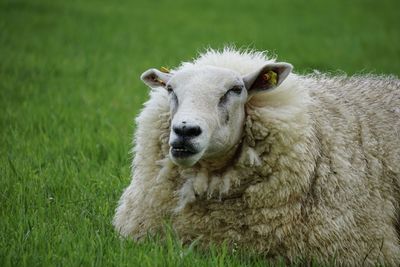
[164, 69]
[161, 82]
[271, 77]
[157, 80]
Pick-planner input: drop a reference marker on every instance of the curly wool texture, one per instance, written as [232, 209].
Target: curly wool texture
[316, 174]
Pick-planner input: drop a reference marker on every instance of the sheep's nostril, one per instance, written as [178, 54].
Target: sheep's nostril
[187, 131]
[193, 131]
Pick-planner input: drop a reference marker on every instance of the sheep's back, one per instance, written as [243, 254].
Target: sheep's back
[358, 125]
[370, 106]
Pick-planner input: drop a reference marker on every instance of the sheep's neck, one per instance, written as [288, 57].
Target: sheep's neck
[223, 162]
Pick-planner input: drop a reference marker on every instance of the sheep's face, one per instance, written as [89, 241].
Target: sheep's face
[207, 107]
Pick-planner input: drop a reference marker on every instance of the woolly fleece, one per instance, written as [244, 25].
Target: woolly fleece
[316, 174]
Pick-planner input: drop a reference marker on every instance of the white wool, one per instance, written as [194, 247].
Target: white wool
[315, 174]
[186, 195]
[252, 157]
[214, 185]
[243, 62]
[200, 182]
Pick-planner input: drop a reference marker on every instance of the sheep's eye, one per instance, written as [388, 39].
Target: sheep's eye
[223, 99]
[237, 89]
[169, 89]
[172, 95]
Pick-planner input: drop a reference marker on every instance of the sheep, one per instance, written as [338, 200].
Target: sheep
[234, 147]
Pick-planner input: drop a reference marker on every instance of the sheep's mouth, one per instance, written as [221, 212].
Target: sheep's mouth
[183, 150]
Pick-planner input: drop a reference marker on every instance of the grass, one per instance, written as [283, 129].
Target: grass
[69, 91]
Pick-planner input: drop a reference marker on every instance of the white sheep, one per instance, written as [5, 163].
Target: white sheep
[234, 147]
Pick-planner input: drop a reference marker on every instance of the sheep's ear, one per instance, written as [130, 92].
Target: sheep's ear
[267, 78]
[155, 78]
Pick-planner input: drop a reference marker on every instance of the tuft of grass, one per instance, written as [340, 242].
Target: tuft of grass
[69, 91]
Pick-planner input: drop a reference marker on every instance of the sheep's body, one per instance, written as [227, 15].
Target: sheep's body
[316, 175]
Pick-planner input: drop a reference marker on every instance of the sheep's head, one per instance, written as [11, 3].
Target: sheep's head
[208, 107]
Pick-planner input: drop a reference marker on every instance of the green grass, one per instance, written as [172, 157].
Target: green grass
[69, 90]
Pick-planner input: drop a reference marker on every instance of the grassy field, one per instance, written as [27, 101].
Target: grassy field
[69, 91]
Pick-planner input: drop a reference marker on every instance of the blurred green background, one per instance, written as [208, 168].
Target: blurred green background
[70, 89]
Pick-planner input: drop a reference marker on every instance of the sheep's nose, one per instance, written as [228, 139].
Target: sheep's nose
[185, 130]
